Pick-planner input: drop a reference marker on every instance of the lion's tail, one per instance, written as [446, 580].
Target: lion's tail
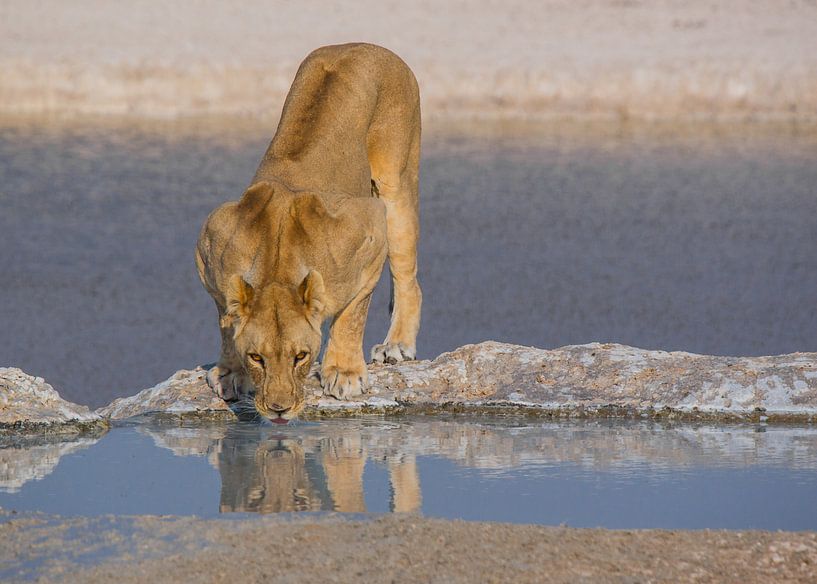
[391, 295]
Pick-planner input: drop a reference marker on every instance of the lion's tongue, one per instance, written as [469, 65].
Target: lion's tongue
[279, 421]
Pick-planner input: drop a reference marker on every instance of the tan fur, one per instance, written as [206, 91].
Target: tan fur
[336, 192]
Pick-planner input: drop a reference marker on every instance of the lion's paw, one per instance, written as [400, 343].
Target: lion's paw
[392, 353]
[344, 384]
[225, 383]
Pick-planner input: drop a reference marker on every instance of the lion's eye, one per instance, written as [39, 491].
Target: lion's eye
[256, 357]
[301, 356]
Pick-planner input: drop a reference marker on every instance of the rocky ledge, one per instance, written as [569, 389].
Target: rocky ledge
[584, 380]
[28, 403]
[490, 377]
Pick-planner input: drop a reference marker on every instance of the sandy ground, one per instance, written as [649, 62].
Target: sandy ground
[615, 58]
[390, 549]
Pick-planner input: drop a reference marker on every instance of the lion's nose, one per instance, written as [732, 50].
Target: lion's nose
[277, 408]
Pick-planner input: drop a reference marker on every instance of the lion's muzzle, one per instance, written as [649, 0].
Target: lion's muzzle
[279, 402]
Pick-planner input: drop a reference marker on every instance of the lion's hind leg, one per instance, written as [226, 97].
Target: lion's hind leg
[403, 232]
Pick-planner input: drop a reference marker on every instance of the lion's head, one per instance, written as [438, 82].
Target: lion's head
[277, 335]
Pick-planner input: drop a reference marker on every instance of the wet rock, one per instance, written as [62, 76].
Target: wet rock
[29, 403]
[184, 392]
[593, 379]
[602, 375]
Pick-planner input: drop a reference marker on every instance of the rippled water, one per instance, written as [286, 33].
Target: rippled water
[694, 238]
[599, 473]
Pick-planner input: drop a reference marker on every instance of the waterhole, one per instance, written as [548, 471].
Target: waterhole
[615, 474]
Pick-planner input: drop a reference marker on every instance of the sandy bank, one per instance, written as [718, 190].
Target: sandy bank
[389, 549]
[616, 59]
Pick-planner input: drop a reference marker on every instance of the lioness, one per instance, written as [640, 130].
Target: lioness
[336, 192]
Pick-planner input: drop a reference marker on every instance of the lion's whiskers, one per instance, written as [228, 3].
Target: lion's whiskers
[246, 409]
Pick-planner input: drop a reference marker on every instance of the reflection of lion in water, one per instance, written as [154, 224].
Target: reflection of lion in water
[306, 474]
[336, 192]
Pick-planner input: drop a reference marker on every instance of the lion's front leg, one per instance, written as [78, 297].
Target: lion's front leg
[227, 379]
[228, 384]
[343, 373]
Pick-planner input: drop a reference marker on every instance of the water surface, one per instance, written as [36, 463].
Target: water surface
[613, 474]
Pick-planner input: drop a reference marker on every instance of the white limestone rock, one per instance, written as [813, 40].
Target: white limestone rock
[27, 401]
[599, 375]
[586, 378]
[186, 391]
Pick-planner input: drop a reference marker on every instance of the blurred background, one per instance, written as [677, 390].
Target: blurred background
[616, 171]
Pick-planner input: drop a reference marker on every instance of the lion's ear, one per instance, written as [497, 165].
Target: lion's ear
[239, 297]
[309, 207]
[313, 293]
[256, 196]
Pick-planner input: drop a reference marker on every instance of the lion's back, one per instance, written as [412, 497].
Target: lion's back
[374, 71]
